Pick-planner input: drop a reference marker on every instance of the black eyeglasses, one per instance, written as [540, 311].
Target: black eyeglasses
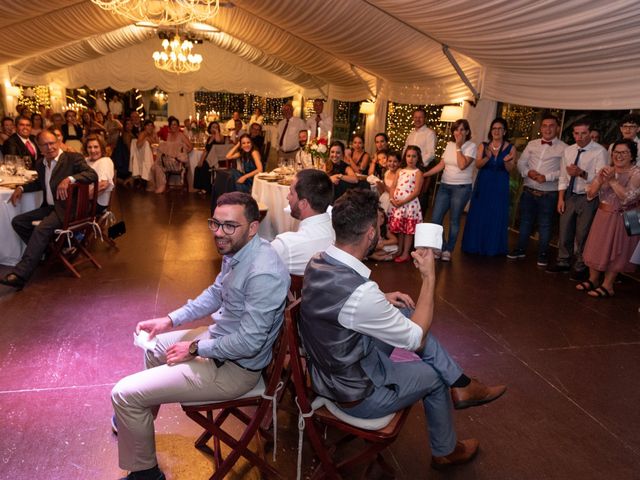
[228, 228]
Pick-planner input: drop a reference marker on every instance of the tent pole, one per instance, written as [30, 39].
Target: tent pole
[460, 72]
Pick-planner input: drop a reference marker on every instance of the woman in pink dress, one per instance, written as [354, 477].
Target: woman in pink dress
[406, 212]
[608, 248]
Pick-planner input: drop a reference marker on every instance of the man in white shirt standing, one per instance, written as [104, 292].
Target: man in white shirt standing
[288, 129]
[539, 165]
[580, 164]
[425, 138]
[319, 123]
[310, 193]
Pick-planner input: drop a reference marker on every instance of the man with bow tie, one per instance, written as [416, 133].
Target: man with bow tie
[539, 166]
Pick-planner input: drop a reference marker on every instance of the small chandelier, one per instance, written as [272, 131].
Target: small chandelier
[162, 12]
[176, 56]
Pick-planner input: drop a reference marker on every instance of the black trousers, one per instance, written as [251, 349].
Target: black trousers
[36, 238]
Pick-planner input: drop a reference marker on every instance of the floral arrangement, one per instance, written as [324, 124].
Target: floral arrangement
[318, 149]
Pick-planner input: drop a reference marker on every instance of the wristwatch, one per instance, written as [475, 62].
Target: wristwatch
[193, 348]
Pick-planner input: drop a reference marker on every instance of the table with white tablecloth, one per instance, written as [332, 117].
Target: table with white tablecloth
[216, 154]
[274, 196]
[11, 246]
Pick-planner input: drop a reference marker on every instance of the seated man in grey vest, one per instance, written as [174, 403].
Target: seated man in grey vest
[349, 328]
[310, 193]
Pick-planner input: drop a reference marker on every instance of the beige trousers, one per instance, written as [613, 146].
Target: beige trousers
[136, 398]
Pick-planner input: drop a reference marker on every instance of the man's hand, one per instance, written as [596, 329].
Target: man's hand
[574, 170]
[424, 261]
[16, 196]
[560, 205]
[540, 178]
[178, 352]
[154, 326]
[400, 300]
[532, 174]
[63, 189]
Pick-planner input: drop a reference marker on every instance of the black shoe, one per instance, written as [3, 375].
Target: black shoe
[13, 280]
[542, 260]
[150, 474]
[516, 254]
[114, 424]
[558, 268]
[579, 275]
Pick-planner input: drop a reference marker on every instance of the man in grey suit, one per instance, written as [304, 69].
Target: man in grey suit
[55, 172]
[349, 328]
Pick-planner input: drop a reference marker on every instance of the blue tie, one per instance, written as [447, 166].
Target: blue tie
[572, 182]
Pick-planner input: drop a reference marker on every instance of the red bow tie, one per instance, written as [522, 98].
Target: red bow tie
[544, 142]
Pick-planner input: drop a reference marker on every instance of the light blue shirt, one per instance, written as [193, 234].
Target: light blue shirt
[246, 303]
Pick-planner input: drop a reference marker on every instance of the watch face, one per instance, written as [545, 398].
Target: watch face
[193, 348]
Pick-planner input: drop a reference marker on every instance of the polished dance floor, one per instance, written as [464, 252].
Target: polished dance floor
[571, 411]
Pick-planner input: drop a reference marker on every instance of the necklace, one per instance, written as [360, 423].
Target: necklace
[495, 148]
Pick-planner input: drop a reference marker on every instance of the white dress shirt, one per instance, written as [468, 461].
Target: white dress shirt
[325, 125]
[544, 159]
[304, 158]
[315, 234]
[48, 169]
[591, 161]
[426, 139]
[290, 142]
[368, 311]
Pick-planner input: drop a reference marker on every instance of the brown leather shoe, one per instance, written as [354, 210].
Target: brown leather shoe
[475, 394]
[464, 452]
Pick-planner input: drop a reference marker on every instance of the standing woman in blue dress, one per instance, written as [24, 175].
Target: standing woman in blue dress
[485, 232]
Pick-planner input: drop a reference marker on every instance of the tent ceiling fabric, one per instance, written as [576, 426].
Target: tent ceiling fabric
[566, 54]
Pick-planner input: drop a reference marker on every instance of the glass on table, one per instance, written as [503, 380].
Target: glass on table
[27, 162]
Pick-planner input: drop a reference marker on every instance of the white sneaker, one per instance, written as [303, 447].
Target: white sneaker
[436, 254]
[446, 256]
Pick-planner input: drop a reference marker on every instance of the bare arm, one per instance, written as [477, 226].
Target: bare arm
[481, 158]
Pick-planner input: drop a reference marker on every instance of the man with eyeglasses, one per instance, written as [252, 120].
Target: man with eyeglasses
[629, 126]
[580, 164]
[246, 303]
[55, 172]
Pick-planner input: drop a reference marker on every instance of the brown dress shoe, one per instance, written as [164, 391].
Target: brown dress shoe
[464, 452]
[475, 394]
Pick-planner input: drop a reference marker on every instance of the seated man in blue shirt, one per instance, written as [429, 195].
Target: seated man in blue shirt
[246, 303]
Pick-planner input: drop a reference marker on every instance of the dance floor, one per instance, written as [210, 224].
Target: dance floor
[571, 411]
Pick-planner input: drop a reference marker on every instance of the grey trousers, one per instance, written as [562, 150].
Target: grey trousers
[136, 398]
[575, 223]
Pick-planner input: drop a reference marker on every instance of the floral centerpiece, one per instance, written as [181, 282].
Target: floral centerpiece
[318, 150]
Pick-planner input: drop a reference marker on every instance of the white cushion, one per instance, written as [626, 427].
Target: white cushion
[364, 423]
[256, 391]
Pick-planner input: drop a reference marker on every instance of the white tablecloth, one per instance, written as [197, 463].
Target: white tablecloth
[217, 153]
[274, 196]
[11, 247]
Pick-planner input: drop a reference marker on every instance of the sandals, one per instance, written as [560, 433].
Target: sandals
[586, 286]
[600, 292]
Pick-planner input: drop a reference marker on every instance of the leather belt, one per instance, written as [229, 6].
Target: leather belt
[220, 363]
[349, 404]
[539, 193]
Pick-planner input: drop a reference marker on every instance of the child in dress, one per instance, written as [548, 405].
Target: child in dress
[386, 186]
[387, 246]
[405, 212]
[379, 164]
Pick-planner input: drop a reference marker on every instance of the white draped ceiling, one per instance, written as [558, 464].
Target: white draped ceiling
[560, 53]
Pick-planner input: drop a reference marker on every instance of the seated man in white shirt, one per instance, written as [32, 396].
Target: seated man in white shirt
[349, 328]
[303, 158]
[310, 193]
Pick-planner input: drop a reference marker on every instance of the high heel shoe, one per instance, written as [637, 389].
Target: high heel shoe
[401, 259]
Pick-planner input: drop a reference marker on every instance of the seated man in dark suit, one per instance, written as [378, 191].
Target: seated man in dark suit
[21, 143]
[61, 169]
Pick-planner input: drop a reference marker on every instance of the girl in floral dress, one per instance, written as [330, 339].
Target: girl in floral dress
[405, 212]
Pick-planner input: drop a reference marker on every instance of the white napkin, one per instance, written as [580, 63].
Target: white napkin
[142, 340]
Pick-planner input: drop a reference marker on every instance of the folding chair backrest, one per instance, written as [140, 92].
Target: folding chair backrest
[81, 204]
[295, 289]
[298, 372]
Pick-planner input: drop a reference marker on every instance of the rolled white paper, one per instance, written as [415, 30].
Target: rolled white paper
[142, 340]
[428, 235]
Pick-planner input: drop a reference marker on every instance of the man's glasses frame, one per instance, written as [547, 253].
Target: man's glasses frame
[228, 228]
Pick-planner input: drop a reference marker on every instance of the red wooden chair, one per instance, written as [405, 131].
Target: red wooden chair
[70, 242]
[261, 398]
[295, 289]
[316, 415]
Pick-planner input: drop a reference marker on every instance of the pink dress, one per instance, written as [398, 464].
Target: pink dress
[403, 219]
[608, 247]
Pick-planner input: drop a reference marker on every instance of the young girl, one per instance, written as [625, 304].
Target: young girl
[387, 246]
[406, 212]
[379, 164]
[386, 186]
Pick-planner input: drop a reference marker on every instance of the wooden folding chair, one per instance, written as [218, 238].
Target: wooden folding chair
[315, 416]
[295, 289]
[70, 241]
[261, 398]
[182, 176]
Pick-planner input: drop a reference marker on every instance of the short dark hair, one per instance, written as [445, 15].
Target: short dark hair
[251, 211]
[502, 122]
[396, 154]
[4, 119]
[422, 110]
[316, 187]
[172, 119]
[148, 122]
[581, 123]
[383, 135]
[633, 147]
[629, 118]
[455, 126]
[22, 117]
[550, 116]
[353, 213]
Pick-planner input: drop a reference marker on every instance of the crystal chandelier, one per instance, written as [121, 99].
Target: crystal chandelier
[162, 12]
[176, 56]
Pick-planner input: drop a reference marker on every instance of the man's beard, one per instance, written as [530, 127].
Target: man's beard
[373, 245]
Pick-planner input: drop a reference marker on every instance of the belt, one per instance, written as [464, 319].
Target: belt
[349, 404]
[610, 208]
[219, 364]
[539, 193]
